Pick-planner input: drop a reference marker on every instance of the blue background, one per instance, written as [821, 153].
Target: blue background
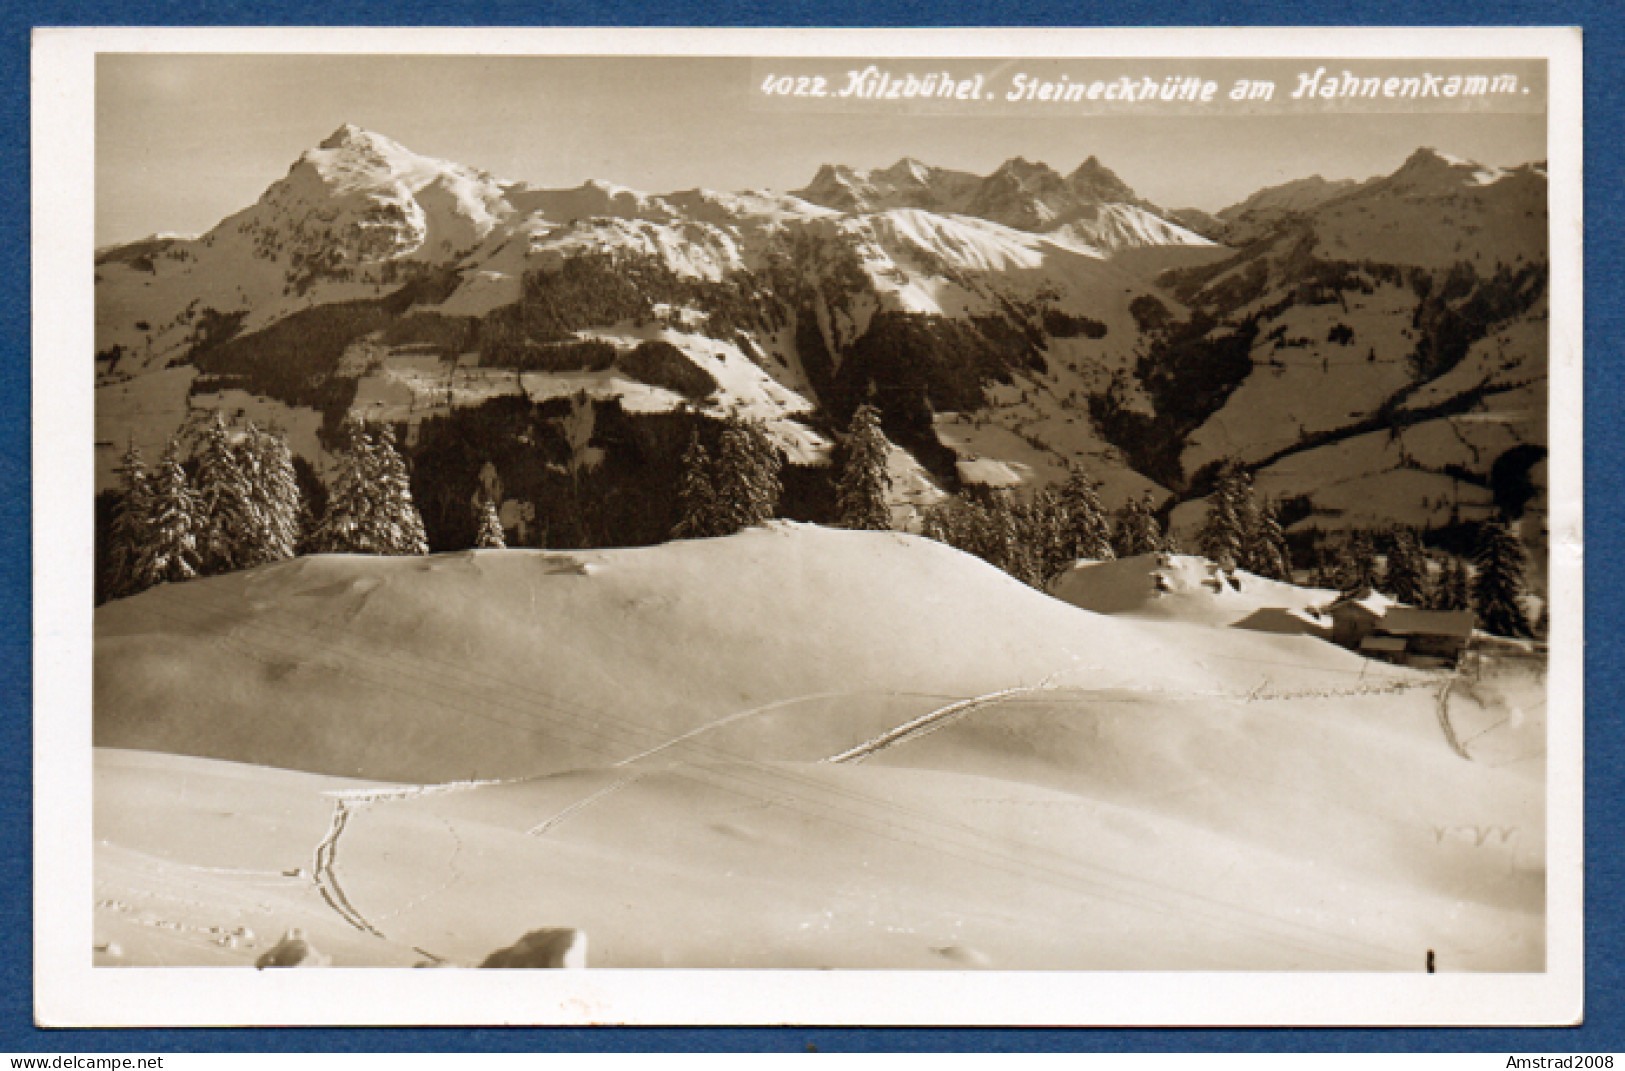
[1602, 20]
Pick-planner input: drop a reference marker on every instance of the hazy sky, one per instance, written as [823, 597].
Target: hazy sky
[183, 141]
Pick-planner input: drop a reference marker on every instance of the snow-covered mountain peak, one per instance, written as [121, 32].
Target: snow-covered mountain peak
[908, 169]
[1026, 171]
[347, 134]
[1023, 194]
[1428, 172]
[351, 157]
[1095, 181]
[361, 196]
[1427, 165]
[1429, 160]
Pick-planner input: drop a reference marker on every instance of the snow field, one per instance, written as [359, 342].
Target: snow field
[617, 741]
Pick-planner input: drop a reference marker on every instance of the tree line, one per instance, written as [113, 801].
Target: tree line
[739, 486]
[225, 496]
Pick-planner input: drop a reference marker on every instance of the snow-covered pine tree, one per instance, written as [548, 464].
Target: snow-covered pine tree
[696, 495]
[1222, 539]
[369, 505]
[400, 525]
[229, 522]
[351, 499]
[132, 518]
[489, 536]
[1250, 520]
[860, 492]
[1499, 584]
[1047, 538]
[1001, 534]
[170, 552]
[265, 458]
[745, 476]
[979, 522]
[1091, 533]
[1271, 557]
[1137, 529]
[1406, 578]
[1123, 531]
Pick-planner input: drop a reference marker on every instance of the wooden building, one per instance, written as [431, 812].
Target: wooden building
[1377, 627]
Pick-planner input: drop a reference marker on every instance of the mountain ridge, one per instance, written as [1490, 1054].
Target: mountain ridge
[1024, 322]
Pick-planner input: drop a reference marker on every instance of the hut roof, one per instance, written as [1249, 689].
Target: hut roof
[1405, 621]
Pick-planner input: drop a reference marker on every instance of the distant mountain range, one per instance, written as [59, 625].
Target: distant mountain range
[1375, 350]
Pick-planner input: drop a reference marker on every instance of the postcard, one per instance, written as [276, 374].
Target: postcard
[1045, 527]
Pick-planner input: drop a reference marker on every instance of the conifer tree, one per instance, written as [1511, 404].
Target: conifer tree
[1250, 522]
[1047, 539]
[1450, 591]
[745, 476]
[976, 521]
[1270, 555]
[229, 522]
[399, 520]
[696, 495]
[1461, 586]
[1091, 534]
[369, 506]
[277, 503]
[132, 521]
[1223, 539]
[1500, 581]
[170, 552]
[860, 493]
[1406, 577]
[1326, 571]
[1360, 564]
[490, 535]
[1137, 529]
[350, 498]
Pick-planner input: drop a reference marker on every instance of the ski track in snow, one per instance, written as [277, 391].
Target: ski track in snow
[1443, 707]
[610, 789]
[929, 723]
[326, 875]
[741, 715]
[324, 869]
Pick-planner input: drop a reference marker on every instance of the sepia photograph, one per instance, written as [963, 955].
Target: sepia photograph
[1041, 513]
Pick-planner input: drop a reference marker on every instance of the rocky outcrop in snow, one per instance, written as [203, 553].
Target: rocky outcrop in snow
[551, 947]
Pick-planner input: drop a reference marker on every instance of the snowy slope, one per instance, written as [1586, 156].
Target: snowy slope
[1180, 587]
[394, 644]
[880, 752]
